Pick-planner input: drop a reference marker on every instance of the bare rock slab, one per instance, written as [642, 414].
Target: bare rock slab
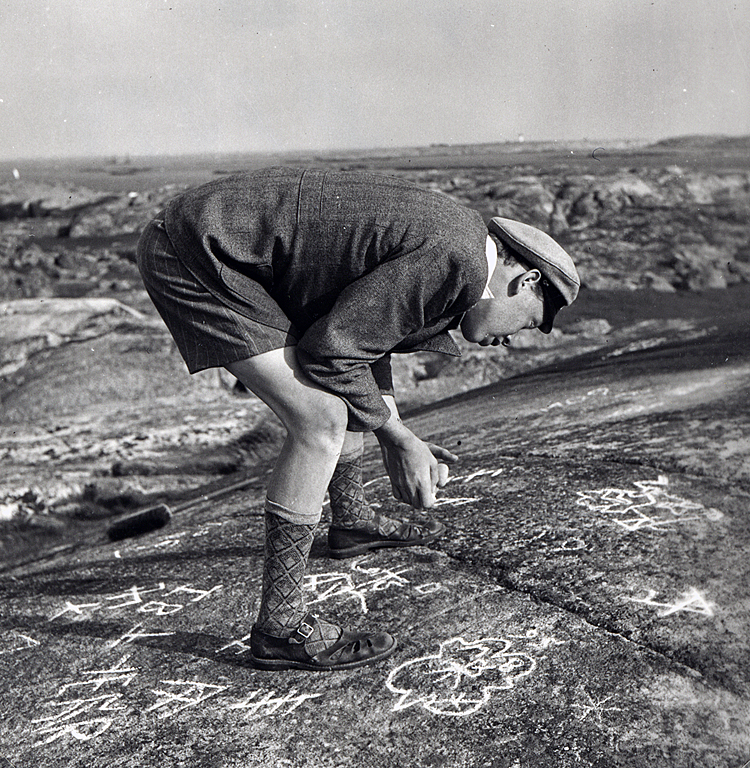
[587, 607]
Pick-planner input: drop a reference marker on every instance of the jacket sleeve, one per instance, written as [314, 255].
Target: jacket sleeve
[369, 318]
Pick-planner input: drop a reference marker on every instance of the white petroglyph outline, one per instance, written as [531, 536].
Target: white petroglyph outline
[241, 644]
[133, 596]
[184, 699]
[651, 495]
[445, 668]
[533, 636]
[319, 587]
[73, 608]
[58, 725]
[169, 541]
[171, 700]
[428, 588]
[106, 676]
[594, 707]
[330, 585]
[29, 642]
[445, 500]
[254, 702]
[455, 501]
[577, 400]
[577, 540]
[691, 601]
[477, 473]
[74, 729]
[134, 634]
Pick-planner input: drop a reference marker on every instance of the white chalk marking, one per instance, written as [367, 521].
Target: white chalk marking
[262, 703]
[202, 594]
[533, 637]
[183, 695]
[460, 678]
[476, 474]
[117, 674]
[240, 644]
[205, 530]
[83, 730]
[134, 634]
[594, 707]
[577, 399]
[134, 598]
[456, 501]
[324, 586]
[628, 509]
[159, 608]
[131, 597]
[429, 588]
[574, 544]
[76, 610]
[25, 643]
[65, 722]
[691, 601]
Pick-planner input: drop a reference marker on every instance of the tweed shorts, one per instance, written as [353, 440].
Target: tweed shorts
[208, 334]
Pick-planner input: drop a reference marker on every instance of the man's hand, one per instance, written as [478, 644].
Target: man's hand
[444, 457]
[416, 469]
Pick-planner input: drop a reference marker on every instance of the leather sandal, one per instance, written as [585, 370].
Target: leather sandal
[351, 650]
[348, 542]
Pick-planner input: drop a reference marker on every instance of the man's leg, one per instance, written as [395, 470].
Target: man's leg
[349, 508]
[355, 528]
[315, 421]
[285, 635]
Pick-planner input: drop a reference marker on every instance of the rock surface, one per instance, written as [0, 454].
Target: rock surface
[587, 607]
[589, 603]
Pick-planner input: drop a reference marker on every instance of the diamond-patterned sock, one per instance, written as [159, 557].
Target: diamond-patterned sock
[323, 635]
[349, 508]
[287, 548]
[282, 606]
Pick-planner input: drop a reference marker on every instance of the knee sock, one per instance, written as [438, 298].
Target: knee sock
[287, 548]
[282, 606]
[349, 507]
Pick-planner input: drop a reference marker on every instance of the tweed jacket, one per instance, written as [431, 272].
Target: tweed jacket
[354, 265]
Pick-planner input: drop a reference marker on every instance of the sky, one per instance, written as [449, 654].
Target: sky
[146, 77]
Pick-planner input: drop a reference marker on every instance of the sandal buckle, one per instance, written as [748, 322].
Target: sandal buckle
[303, 631]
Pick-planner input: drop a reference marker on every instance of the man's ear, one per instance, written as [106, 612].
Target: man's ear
[524, 280]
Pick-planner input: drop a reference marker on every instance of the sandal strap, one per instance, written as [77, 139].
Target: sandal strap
[304, 630]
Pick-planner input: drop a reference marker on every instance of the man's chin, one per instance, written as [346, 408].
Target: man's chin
[470, 333]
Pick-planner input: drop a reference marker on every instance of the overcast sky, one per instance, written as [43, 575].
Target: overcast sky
[133, 77]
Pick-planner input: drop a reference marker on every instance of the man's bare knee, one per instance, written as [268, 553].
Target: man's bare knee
[322, 427]
[311, 414]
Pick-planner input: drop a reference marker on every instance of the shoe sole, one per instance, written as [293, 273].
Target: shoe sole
[277, 665]
[361, 549]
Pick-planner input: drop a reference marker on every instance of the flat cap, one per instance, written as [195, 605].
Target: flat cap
[536, 248]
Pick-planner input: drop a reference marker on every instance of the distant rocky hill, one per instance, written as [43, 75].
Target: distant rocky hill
[665, 228]
[629, 223]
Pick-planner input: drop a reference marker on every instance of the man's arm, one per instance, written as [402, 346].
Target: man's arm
[416, 468]
[370, 317]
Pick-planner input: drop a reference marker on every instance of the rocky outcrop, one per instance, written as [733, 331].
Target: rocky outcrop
[98, 408]
[662, 228]
[658, 228]
[32, 325]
